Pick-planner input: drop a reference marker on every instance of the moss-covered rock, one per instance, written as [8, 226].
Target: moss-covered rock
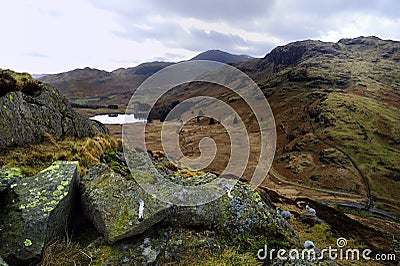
[24, 116]
[35, 210]
[243, 213]
[111, 202]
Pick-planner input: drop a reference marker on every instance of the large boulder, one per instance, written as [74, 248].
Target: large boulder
[25, 114]
[244, 211]
[111, 203]
[35, 210]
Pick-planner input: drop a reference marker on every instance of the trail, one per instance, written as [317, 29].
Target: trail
[364, 178]
[285, 180]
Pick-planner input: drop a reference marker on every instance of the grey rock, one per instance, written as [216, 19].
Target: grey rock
[111, 203]
[24, 118]
[36, 210]
[309, 218]
[244, 212]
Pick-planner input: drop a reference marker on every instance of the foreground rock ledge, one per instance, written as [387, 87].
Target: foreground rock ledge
[112, 203]
[35, 210]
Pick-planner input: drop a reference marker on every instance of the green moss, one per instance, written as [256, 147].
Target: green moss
[103, 253]
[123, 220]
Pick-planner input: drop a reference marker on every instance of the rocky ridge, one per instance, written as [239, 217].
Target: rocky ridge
[29, 109]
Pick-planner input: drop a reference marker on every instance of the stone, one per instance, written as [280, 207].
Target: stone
[310, 219]
[36, 210]
[24, 118]
[245, 212]
[111, 203]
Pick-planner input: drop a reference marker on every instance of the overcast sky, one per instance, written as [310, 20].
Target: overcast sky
[51, 36]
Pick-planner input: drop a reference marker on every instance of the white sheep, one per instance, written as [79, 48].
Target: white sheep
[309, 244]
[284, 214]
[141, 209]
[311, 210]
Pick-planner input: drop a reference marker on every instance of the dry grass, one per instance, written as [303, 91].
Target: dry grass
[32, 159]
[64, 252]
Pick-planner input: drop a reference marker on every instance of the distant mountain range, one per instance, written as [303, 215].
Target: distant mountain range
[95, 87]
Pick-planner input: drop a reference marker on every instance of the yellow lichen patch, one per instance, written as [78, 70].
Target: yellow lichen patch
[27, 242]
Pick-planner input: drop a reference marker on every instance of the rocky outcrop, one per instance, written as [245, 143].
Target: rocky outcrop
[35, 210]
[26, 114]
[111, 203]
[245, 211]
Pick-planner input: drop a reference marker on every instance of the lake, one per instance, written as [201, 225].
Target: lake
[117, 119]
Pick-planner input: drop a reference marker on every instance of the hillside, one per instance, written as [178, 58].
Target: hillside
[336, 107]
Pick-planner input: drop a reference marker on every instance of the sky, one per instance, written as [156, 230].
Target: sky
[53, 36]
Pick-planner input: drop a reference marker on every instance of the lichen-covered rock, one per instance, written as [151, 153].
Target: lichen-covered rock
[310, 219]
[244, 212]
[25, 117]
[35, 210]
[9, 177]
[112, 204]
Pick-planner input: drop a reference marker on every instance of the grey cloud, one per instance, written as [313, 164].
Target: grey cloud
[284, 20]
[196, 40]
